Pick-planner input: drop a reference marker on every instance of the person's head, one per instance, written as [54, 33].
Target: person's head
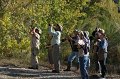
[101, 35]
[97, 35]
[97, 29]
[38, 31]
[81, 35]
[58, 27]
[102, 31]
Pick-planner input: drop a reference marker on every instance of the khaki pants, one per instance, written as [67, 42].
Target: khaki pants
[34, 58]
[56, 56]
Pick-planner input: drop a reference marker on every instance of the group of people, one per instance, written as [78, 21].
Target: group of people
[80, 43]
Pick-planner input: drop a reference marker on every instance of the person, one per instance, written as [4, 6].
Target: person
[87, 44]
[49, 48]
[87, 40]
[35, 42]
[95, 50]
[55, 32]
[83, 56]
[102, 52]
[74, 54]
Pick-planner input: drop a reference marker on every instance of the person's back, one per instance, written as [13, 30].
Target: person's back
[102, 52]
[83, 57]
[103, 44]
[56, 38]
[56, 35]
[55, 32]
[74, 53]
[73, 43]
[35, 42]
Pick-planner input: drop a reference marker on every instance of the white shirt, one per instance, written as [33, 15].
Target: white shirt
[35, 42]
[81, 51]
[56, 35]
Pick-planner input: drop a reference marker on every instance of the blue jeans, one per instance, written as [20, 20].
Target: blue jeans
[72, 56]
[84, 65]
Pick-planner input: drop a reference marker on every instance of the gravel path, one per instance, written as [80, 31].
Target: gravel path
[42, 73]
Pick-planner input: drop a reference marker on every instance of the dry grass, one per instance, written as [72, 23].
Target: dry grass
[13, 63]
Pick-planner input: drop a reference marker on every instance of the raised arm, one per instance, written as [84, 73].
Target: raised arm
[36, 33]
[52, 32]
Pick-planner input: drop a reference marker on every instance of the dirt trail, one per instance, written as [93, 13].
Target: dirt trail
[42, 73]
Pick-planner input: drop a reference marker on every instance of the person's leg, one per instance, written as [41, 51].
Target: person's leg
[88, 63]
[105, 57]
[56, 58]
[83, 67]
[32, 57]
[50, 55]
[70, 59]
[34, 60]
[103, 65]
[103, 68]
[77, 58]
[97, 64]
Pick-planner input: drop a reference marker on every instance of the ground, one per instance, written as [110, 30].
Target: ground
[14, 69]
[42, 73]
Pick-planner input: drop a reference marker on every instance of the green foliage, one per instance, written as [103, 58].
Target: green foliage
[16, 15]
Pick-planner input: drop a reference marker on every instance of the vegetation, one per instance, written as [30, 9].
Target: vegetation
[15, 17]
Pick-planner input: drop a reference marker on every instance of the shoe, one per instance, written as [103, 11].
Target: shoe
[68, 67]
[102, 77]
[99, 73]
[32, 68]
[54, 71]
[78, 66]
[67, 70]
